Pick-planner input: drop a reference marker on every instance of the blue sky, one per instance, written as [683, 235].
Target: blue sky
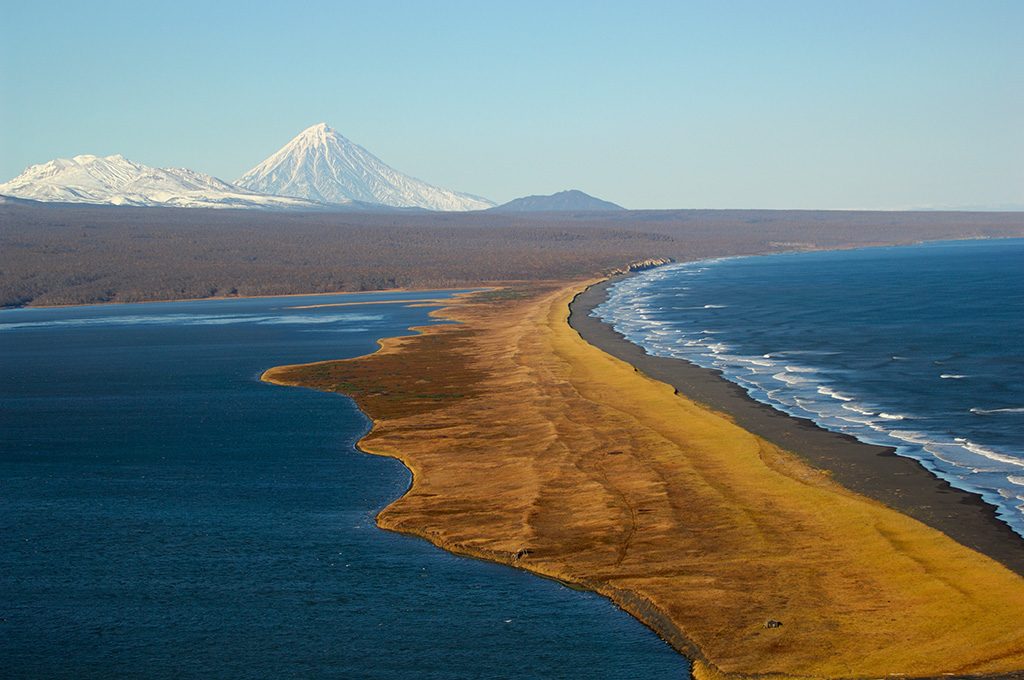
[834, 105]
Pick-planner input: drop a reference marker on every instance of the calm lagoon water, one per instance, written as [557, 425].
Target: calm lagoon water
[165, 514]
[916, 347]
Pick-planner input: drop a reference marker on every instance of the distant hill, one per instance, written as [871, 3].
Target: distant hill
[321, 165]
[564, 200]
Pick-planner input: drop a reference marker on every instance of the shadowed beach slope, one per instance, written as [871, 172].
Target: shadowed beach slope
[532, 447]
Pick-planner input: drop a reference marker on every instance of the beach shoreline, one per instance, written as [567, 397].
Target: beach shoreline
[877, 472]
[531, 445]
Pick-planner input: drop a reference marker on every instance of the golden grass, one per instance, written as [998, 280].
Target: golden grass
[531, 447]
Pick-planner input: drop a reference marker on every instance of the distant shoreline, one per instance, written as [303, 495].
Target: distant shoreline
[873, 471]
[263, 297]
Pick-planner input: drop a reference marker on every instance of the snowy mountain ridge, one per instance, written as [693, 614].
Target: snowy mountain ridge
[318, 170]
[115, 180]
[322, 165]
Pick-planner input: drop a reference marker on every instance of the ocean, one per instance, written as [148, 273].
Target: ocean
[918, 347]
[165, 514]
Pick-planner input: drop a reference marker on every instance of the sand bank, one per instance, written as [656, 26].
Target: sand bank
[532, 447]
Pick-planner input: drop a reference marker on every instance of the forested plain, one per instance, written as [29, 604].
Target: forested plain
[63, 254]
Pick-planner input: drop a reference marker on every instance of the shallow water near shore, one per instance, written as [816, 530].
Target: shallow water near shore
[916, 347]
[164, 513]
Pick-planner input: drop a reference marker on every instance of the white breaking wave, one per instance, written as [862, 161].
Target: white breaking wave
[791, 379]
[986, 452]
[807, 389]
[829, 392]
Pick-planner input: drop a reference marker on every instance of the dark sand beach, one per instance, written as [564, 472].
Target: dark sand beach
[873, 471]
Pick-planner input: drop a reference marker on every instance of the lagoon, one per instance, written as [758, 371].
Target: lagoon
[164, 513]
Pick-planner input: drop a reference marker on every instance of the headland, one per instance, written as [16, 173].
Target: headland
[533, 447]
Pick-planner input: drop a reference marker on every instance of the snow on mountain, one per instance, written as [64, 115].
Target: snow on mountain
[115, 180]
[321, 165]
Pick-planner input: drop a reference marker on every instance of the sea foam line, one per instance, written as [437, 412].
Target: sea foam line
[956, 461]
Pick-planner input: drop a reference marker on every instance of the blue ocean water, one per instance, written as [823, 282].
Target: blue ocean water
[916, 347]
[165, 514]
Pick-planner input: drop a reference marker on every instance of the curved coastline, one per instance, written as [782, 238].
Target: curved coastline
[873, 471]
[532, 446]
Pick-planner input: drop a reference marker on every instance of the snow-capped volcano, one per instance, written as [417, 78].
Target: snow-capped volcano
[321, 165]
[115, 180]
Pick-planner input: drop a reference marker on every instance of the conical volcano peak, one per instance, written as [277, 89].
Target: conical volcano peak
[318, 131]
[317, 136]
[321, 165]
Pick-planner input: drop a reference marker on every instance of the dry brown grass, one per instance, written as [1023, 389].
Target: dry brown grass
[529, 446]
